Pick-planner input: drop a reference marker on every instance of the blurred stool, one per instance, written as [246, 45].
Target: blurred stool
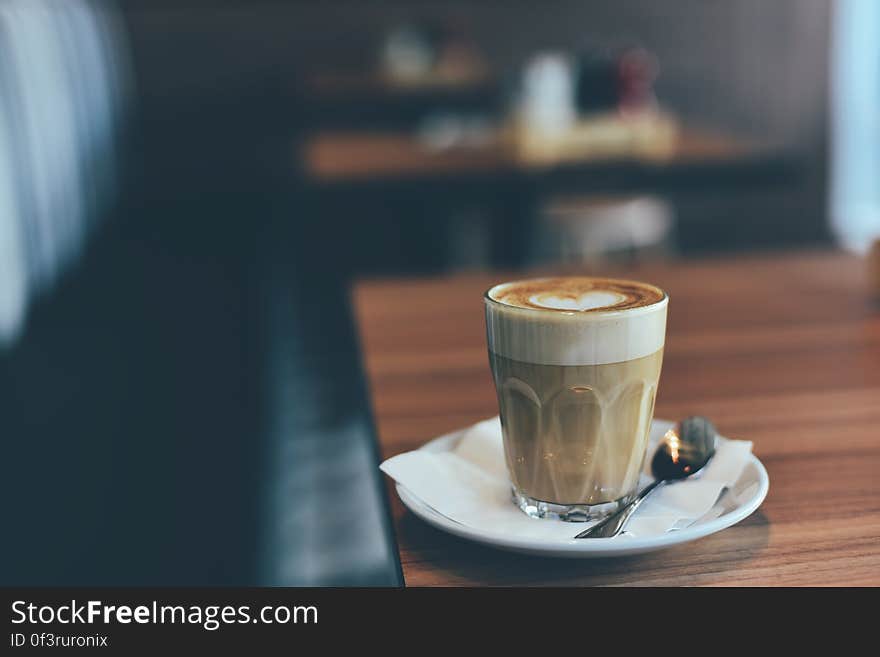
[594, 229]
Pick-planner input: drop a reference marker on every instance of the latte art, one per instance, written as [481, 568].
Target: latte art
[587, 301]
[577, 293]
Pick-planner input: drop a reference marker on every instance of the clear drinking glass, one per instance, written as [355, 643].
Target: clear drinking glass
[576, 396]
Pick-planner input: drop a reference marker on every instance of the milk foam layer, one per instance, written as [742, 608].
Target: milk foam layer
[575, 320]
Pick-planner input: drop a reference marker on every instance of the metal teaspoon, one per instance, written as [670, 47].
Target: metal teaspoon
[685, 449]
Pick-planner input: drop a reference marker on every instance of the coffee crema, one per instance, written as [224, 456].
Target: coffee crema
[575, 320]
[577, 294]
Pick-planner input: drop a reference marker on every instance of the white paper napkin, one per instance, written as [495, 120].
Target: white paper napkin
[469, 485]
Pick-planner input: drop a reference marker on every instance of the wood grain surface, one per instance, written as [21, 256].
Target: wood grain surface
[346, 156]
[783, 350]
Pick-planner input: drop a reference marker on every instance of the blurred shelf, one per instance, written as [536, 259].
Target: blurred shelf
[354, 100]
[347, 85]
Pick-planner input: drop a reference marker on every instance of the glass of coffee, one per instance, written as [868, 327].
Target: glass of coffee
[576, 362]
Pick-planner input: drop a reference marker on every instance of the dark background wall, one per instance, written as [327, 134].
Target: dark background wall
[753, 67]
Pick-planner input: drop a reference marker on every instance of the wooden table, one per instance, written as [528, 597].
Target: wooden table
[781, 350]
[340, 157]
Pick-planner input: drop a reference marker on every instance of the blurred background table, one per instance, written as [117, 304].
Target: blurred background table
[780, 350]
[381, 157]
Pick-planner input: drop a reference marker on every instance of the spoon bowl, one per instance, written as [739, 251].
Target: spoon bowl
[684, 450]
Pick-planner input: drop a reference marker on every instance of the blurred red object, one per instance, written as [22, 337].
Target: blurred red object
[637, 70]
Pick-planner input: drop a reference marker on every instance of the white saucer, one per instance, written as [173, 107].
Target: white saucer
[745, 497]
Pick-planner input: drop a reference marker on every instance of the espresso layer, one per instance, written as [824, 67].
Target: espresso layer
[577, 294]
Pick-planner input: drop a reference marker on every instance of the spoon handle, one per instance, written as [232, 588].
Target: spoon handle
[613, 524]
